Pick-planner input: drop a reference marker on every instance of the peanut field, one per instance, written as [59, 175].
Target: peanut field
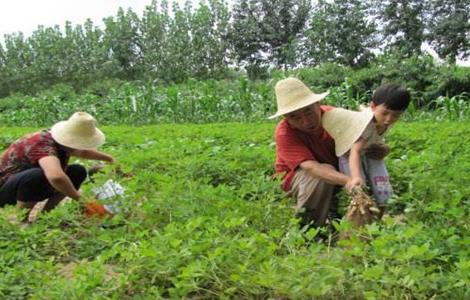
[201, 218]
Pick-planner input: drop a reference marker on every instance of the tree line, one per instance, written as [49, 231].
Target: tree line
[173, 43]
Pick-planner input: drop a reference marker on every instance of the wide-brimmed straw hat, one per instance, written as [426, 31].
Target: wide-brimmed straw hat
[292, 94]
[78, 132]
[345, 126]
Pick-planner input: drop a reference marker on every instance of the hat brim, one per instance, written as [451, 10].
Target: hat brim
[60, 135]
[341, 149]
[345, 127]
[308, 101]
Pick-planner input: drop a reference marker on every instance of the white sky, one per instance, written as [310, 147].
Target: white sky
[26, 15]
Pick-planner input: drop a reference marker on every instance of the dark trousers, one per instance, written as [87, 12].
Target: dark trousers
[32, 185]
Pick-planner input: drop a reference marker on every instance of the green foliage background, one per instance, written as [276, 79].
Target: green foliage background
[236, 100]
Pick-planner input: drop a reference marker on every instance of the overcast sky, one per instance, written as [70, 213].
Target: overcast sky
[26, 15]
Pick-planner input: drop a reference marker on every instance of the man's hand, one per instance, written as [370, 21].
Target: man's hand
[377, 151]
[354, 182]
[362, 209]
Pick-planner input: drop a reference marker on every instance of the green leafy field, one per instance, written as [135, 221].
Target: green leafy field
[202, 220]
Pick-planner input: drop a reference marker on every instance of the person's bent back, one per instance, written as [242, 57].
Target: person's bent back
[305, 152]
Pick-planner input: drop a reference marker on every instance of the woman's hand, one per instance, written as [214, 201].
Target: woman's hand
[110, 160]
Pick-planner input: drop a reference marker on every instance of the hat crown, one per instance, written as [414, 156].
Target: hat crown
[290, 91]
[78, 132]
[81, 124]
[292, 94]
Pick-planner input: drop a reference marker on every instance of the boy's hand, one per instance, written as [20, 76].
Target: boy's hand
[377, 151]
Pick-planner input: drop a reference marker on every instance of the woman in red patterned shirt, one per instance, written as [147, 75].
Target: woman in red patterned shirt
[35, 167]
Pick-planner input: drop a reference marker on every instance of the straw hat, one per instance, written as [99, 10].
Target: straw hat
[78, 132]
[345, 126]
[292, 94]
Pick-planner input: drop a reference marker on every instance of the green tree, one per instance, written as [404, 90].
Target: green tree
[4, 89]
[267, 32]
[209, 28]
[245, 35]
[340, 32]
[449, 28]
[284, 24]
[155, 38]
[86, 55]
[122, 42]
[18, 59]
[402, 24]
[179, 44]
